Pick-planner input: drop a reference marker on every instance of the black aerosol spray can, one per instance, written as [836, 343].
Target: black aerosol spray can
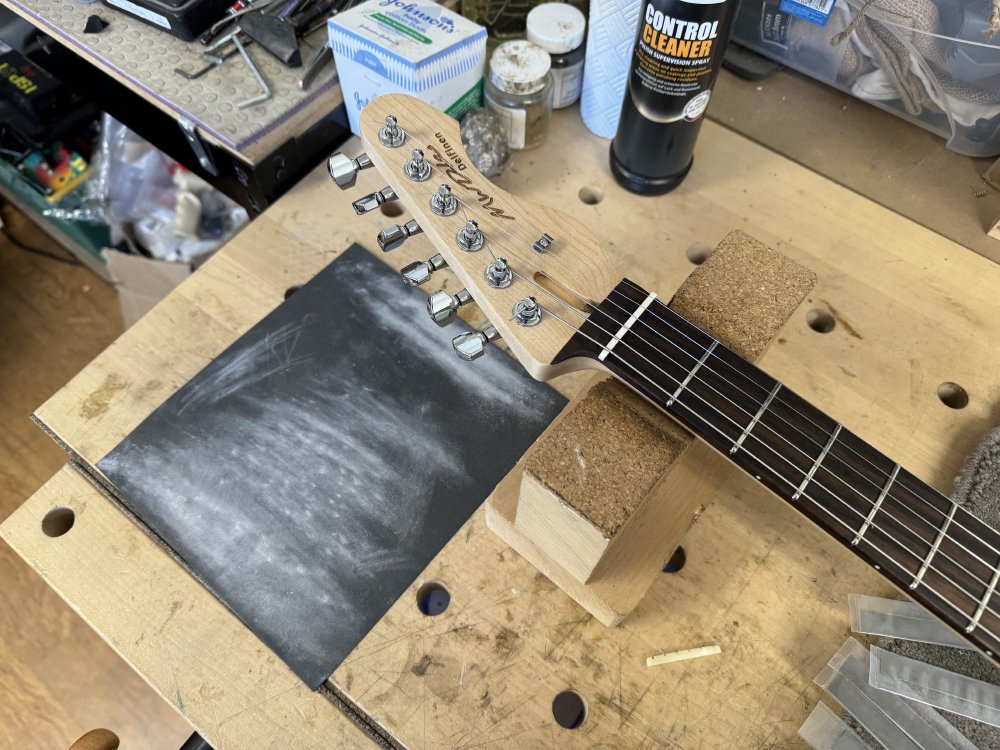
[678, 52]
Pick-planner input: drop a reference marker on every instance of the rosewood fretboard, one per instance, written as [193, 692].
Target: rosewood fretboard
[939, 553]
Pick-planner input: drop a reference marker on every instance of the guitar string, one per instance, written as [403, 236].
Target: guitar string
[818, 504]
[779, 400]
[893, 539]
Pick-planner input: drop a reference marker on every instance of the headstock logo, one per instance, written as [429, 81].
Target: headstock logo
[453, 165]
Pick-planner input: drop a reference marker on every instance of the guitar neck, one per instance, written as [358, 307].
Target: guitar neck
[937, 552]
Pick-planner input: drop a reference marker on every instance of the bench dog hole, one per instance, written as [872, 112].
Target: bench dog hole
[676, 561]
[58, 521]
[820, 321]
[569, 710]
[433, 598]
[953, 395]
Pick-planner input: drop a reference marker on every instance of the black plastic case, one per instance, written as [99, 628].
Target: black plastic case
[185, 19]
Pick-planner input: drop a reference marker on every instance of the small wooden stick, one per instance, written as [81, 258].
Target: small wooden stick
[691, 653]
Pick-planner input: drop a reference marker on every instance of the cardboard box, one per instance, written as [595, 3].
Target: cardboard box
[142, 282]
[403, 47]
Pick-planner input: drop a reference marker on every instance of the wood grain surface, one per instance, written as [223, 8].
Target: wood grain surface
[910, 310]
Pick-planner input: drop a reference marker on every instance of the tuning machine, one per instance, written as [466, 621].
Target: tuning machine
[344, 170]
[391, 134]
[392, 237]
[420, 272]
[470, 346]
[443, 307]
[373, 200]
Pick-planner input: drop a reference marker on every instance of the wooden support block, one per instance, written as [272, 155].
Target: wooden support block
[606, 493]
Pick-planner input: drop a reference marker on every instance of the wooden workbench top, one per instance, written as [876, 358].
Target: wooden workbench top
[911, 310]
[143, 58]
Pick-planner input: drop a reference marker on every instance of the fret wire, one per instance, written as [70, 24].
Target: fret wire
[876, 506]
[866, 460]
[756, 418]
[983, 602]
[592, 305]
[816, 463]
[690, 375]
[737, 387]
[934, 548]
[819, 505]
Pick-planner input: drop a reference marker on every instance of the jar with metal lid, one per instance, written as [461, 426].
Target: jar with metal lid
[559, 29]
[519, 91]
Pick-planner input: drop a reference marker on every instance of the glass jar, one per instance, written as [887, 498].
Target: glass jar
[559, 29]
[503, 19]
[518, 91]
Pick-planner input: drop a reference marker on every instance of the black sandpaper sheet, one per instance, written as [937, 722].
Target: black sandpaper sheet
[309, 473]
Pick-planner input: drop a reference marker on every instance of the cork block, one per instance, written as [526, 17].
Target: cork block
[606, 493]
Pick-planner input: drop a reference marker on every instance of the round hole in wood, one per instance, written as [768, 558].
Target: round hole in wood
[391, 209]
[292, 290]
[433, 598]
[821, 321]
[953, 395]
[698, 253]
[676, 561]
[591, 195]
[569, 710]
[58, 521]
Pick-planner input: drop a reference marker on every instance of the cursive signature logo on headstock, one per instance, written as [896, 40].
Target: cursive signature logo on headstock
[453, 165]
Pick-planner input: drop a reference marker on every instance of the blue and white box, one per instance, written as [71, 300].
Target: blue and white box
[412, 47]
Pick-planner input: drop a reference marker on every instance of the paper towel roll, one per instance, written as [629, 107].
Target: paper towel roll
[612, 28]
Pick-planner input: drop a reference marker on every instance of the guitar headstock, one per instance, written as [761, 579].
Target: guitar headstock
[534, 271]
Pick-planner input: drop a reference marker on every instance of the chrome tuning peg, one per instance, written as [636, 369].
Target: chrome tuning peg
[470, 237]
[392, 237]
[417, 168]
[391, 134]
[443, 203]
[343, 169]
[498, 274]
[420, 272]
[470, 346]
[373, 200]
[443, 307]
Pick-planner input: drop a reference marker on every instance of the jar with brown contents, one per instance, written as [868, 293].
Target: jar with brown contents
[519, 91]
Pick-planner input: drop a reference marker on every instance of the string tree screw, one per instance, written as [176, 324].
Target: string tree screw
[417, 168]
[391, 134]
[470, 237]
[527, 312]
[542, 243]
[498, 274]
[443, 203]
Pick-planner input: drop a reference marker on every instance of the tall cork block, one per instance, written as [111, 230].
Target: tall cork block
[605, 495]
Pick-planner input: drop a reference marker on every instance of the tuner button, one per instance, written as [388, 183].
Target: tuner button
[373, 200]
[443, 307]
[417, 168]
[420, 272]
[443, 203]
[527, 312]
[391, 134]
[343, 169]
[392, 237]
[470, 346]
[470, 237]
[498, 274]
